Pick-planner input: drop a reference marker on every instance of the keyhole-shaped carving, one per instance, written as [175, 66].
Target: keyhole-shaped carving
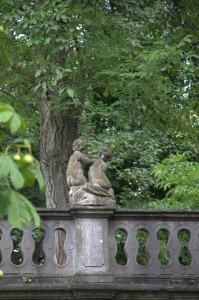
[184, 238]
[163, 257]
[16, 256]
[121, 236]
[142, 237]
[39, 256]
[60, 255]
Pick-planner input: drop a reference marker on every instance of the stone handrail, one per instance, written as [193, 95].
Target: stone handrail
[177, 254]
[89, 243]
[109, 249]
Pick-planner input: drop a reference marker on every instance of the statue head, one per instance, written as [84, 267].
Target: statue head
[104, 154]
[79, 145]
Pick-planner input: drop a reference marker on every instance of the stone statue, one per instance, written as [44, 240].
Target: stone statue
[98, 183]
[77, 163]
[96, 190]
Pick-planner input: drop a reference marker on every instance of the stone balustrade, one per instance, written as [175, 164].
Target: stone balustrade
[122, 252]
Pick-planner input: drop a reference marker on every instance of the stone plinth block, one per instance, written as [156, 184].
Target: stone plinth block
[92, 254]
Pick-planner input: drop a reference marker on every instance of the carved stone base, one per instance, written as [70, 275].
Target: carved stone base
[80, 196]
[95, 201]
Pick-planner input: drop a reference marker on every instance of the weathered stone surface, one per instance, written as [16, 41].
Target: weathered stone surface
[148, 288]
[94, 190]
[92, 246]
[91, 271]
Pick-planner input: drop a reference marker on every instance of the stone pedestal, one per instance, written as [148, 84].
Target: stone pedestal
[92, 252]
[88, 195]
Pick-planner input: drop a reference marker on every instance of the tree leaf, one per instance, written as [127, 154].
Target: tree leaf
[5, 165]
[9, 167]
[20, 211]
[15, 123]
[22, 127]
[5, 116]
[5, 57]
[34, 168]
[28, 177]
[5, 107]
[70, 92]
[27, 143]
[16, 178]
[38, 73]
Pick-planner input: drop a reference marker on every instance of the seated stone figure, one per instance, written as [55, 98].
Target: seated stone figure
[77, 162]
[75, 172]
[97, 189]
[98, 183]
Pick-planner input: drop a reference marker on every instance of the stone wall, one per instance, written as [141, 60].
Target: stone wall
[156, 255]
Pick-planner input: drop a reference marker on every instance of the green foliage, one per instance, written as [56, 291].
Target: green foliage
[120, 237]
[4, 59]
[179, 178]
[135, 63]
[16, 172]
[142, 256]
[184, 255]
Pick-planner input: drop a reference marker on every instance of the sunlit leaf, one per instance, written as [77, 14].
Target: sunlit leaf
[5, 116]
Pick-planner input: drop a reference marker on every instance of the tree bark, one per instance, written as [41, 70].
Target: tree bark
[57, 133]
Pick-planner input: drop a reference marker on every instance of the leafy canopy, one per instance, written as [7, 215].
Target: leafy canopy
[136, 62]
[179, 178]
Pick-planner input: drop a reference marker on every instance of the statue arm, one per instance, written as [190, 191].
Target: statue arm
[86, 160]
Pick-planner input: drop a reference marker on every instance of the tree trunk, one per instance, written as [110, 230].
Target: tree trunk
[57, 133]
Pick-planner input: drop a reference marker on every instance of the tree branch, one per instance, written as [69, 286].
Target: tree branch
[7, 93]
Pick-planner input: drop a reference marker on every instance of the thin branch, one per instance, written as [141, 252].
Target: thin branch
[7, 93]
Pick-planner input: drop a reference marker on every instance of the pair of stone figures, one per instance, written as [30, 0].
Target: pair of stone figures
[96, 190]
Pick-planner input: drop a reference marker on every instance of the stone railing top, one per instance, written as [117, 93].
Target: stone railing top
[155, 214]
[97, 211]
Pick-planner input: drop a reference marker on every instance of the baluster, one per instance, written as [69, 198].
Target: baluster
[17, 255]
[38, 256]
[6, 247]
[121, 237]
[184, 255]
[194, 248]
[164, 255]
[142, 237]
[60, 256]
